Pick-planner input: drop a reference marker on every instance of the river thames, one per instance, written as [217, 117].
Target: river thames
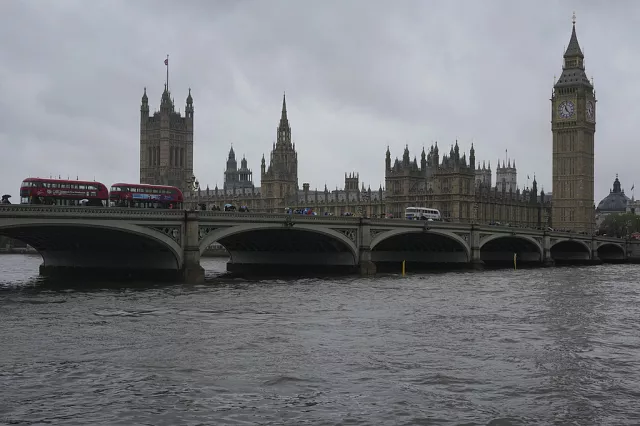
[537, 346]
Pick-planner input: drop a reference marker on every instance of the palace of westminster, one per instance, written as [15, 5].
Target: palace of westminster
[455, 183]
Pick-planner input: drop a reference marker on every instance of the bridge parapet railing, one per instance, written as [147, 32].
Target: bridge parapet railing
[29, 210]
[206, 214]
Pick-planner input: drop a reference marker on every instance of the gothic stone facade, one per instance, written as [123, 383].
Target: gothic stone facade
[573, 124]
[235, 178]
[450, 185]
[279, 181]
[351, 199]
[166, 143]
[279, 189]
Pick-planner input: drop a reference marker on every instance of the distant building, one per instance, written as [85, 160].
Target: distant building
[235, 178]
[279, 180]
[166, 143]
[483, 175]
[507, 176]
[615, 202]
[279, 186]
[452, 185]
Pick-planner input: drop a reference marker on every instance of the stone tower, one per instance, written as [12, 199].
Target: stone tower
[483, 175]
[507, 176]
[279, 181]
[237, 178]
[573, 124]
[166, 143]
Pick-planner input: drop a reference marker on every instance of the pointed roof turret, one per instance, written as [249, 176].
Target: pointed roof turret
[573, 49]
[573, 71]
[232, 154]
[189, 98]
[166, 104]
[616, 185]
[145, 99]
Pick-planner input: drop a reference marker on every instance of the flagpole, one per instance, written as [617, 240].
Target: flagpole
[167, 63]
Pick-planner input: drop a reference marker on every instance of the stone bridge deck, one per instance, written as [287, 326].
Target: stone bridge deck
[170, 242]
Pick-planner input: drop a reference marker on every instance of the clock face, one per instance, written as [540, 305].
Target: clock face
[590, 110]
[566, 109]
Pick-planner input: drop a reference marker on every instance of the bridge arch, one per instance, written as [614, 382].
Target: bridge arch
[611, 252]
[570, 250]
[321, 237]
[96, 244]
[528, 248]
[566, 241]
[457, 242]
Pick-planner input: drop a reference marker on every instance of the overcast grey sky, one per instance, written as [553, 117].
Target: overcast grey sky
[359, 75]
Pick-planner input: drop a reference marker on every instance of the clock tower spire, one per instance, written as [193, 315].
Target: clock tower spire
[573, 126]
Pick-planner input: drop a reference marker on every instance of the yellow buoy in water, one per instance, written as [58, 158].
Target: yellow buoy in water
[403, 267]
[515, 257]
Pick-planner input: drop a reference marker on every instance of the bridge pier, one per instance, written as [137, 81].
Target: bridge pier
[547, 260]
[192, 271]
[595, 259]
[366, 265]
[475, 262]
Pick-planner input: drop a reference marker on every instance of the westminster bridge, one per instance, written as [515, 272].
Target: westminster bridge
[169, 243]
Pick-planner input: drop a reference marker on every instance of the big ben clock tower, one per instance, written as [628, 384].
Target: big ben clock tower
[573, 124]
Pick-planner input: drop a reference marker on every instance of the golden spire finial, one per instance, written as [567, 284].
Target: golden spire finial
[573, 18]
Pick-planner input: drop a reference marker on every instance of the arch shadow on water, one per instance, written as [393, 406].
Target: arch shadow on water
[571, 252]
[611, 253]
[287, 252]
[509, 251]
[421, 251]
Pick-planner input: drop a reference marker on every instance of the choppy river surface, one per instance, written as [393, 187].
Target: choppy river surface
[539, 346]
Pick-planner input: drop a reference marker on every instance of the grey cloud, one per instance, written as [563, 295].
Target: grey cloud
[359, 75]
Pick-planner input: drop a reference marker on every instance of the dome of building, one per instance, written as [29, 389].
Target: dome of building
[616, 201]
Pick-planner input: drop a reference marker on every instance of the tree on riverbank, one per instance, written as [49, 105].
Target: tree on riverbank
[620, 224]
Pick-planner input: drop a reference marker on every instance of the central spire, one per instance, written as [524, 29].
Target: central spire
[573, 49]
[283, 117]
[284, 130]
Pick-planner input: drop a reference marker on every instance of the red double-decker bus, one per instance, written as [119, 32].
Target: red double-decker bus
[60, 192]
[145, 196]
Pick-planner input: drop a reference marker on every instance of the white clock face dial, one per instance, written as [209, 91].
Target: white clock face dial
[590, 110]
[566, 109]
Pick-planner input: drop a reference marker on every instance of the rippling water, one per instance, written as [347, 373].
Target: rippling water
[541, 346]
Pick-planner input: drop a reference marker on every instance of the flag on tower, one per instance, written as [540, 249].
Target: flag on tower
[528, 177]
[166, 61]
[633, 186]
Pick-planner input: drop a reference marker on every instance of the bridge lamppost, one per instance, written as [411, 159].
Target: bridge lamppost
[194, 191]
